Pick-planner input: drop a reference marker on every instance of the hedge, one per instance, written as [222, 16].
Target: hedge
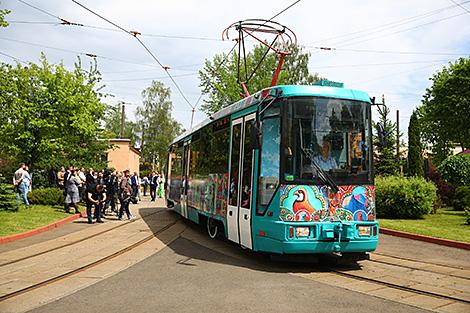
[404, 198]
[456, 169]
[46, 196]
[462, 198]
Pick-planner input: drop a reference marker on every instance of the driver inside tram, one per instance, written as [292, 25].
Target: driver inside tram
[324, 159]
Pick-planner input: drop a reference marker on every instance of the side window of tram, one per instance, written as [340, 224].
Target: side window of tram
[247, 167]
[235, 159]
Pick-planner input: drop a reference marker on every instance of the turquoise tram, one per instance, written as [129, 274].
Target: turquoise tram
[287, 170]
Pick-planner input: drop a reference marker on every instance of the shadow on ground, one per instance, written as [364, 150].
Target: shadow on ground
[189, 249]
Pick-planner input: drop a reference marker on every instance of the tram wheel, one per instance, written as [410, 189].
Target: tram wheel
[212, 227]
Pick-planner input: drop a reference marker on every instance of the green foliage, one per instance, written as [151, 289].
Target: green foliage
[3, 12]
[400, 197]
[462, 198]
[467, 216]
[219, 77]
[159, 128]
[456, 169]
[385, 159]
[46, 196]
[445, 109]
[7, 196]
[415, 147]
[51, 116]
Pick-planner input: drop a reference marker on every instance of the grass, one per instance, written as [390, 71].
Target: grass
[27, 218]
[446, 223]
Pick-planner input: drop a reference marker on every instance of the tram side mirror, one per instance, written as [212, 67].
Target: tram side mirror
[255, 135]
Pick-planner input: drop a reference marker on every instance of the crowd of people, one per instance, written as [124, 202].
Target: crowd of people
[102, 190]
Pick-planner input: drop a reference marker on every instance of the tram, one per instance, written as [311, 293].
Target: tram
[287, 170]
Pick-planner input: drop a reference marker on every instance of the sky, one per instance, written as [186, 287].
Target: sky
[384, 47]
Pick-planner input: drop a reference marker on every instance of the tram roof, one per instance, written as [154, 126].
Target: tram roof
[285, 92]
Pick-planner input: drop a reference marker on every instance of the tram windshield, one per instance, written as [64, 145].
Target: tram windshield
[326, 137]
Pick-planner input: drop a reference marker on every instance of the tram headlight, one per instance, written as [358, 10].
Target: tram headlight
[364, 230]
[302, 231]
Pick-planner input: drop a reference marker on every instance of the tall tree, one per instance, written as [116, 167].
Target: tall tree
[445, 109]
[51, 116]
[415, 147]
[385, 141]
[159, 128]
[219, 77]
[3, 12]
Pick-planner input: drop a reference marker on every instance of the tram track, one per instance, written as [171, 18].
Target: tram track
[79, 240]
[397, 286]
[89, 265]
[419, 269]
[420, 261]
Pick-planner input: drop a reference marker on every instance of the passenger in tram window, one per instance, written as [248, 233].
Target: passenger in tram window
[234, 189]
[246, 196]
[324, 159]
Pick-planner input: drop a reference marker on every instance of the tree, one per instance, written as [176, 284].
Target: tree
[51, 116]
[158, 126]
[3, 12]
[445, 109]
[219, 77]
[385, 159]
[415, 147]
[112, 124]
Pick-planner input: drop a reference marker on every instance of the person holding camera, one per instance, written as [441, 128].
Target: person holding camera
[96, 196]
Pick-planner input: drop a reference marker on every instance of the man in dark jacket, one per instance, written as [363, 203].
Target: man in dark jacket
[96, 196]
[153, 186]
[111, 183]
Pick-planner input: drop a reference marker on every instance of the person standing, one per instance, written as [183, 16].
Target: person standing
[18, 178]
[27, 180]
[125, 196]
[72, 197]
[153, 186]
[90, 177]
[111, 183]
[135, 185]
[82, 187]
[161, 186]
[145, 183]
[96, 196]
[53, 177]
[61, 177]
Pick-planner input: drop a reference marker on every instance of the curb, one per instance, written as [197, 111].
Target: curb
[439, 241]
[32, 232]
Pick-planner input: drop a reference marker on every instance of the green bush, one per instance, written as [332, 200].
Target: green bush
[407, 198]
[456, 169]
[461, 198]
[467, 215]
[46, 196]
[8, 200]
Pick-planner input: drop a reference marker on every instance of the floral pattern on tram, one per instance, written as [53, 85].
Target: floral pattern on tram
[209, 194]
[312, 203]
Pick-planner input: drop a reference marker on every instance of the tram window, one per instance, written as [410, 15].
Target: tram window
[235, 157]
[176, 172]
[270, 153]
[247, 167]
[332, 133]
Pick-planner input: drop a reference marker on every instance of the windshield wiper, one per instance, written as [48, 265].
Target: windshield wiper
[321, 172]
[324, 176]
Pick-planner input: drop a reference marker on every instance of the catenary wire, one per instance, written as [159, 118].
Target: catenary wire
[460, 5]
[14, 58]
[388, 51]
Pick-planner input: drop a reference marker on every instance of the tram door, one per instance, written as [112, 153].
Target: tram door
[184, 180]
[240, 182]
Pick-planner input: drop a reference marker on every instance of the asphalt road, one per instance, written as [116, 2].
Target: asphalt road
[189, 277]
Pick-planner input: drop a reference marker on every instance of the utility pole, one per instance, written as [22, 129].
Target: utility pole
[192, 117]
[123, 116]
[398, 135]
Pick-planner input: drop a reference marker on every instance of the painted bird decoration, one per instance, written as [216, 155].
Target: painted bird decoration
[301, 203]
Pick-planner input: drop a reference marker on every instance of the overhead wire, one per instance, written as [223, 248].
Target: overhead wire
[377, 64]
[14, 58]
[388, 51]
[135, 35]
[460, 5]
[390, 25]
